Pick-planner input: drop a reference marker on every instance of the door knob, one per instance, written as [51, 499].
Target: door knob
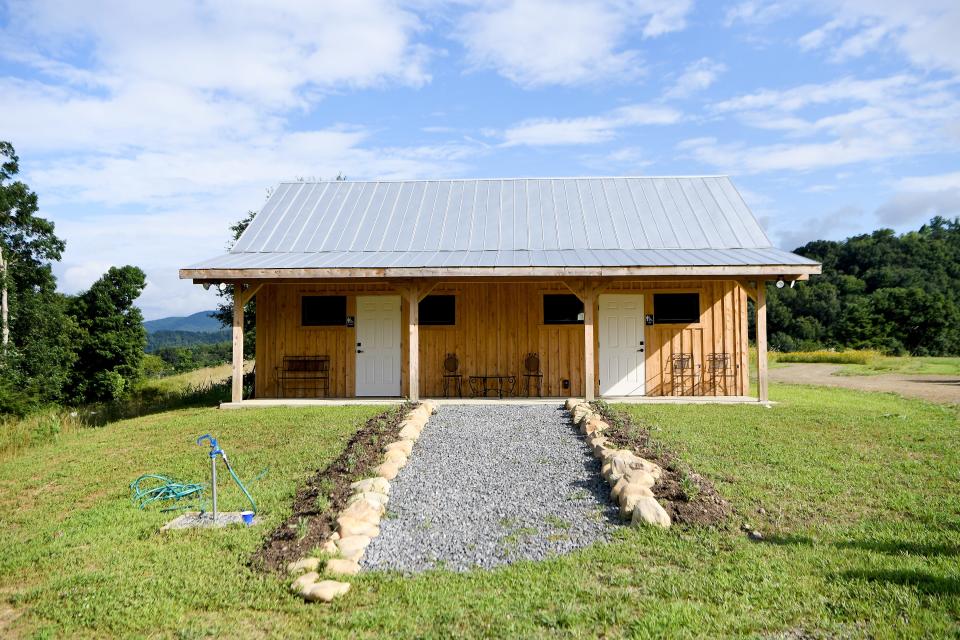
[640, 350]
[359, 350]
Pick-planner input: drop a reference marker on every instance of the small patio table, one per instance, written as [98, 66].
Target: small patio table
[496, 383]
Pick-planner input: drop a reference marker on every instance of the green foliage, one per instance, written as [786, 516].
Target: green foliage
[197, 356]
[896, 294]
[112, 341]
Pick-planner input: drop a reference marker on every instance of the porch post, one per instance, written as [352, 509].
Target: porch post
[236, 394]
[762, 340]
[589, 378]
[413, 344]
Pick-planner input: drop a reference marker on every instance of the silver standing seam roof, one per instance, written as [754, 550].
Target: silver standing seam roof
[522, 222]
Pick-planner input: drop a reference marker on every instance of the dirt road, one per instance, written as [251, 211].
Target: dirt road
[925, 387]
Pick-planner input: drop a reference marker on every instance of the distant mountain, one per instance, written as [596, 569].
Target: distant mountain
[200, 322]
[162, 339]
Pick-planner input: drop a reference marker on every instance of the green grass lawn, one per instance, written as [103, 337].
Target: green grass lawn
[861, 527]
[866, 363]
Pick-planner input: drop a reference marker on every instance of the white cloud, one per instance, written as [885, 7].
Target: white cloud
[696, 77]
[834, 224]
[586, 130]
[843, 122]
[913, 206]
[922, 197]
[923, 30]
[937, 182]
[266, 52]
[564, 42]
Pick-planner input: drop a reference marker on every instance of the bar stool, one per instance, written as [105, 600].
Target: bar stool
[452, 376]
[681, 369]
[533, 373]
[719, 367]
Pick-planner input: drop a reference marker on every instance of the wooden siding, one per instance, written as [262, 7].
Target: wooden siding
[497, 325]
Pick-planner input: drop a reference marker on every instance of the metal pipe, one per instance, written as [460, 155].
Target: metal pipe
[213, 484]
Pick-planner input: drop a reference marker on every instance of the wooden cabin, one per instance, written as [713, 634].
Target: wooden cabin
[549, 287]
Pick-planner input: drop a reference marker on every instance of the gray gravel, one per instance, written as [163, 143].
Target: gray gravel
[489, 485]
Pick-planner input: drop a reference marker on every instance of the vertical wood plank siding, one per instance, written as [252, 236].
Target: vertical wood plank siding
[497, 325]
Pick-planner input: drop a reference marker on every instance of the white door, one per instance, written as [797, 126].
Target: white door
[378, 345]
[621, 345]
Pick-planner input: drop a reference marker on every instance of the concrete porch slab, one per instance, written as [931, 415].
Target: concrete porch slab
[340, 402]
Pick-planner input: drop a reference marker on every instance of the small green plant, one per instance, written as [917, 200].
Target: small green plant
[689, 486]
[323, 503]
[557, 522]
[579, 494]
[303, 527]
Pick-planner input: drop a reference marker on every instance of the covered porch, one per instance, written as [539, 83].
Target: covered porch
[377, 339]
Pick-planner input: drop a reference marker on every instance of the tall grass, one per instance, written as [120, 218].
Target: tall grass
[196, 389]
[831, 357]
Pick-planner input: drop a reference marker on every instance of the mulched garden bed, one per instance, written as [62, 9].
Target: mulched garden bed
[324, 495]
[687, 496]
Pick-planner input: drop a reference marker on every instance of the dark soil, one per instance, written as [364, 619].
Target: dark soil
[324, 494]
[687, 497]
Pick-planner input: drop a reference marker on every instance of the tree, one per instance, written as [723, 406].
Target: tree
[112, 339]
[898, 294]
[27, 241]
[224, 310]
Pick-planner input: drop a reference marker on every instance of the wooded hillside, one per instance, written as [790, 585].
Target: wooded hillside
[896, 293]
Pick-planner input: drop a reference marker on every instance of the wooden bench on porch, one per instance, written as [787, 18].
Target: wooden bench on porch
[304, 373]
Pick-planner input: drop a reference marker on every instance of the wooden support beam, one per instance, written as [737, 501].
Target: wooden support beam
[249, 292]
[413, 343]
[762, 341]
[236, 394]
[589, 375]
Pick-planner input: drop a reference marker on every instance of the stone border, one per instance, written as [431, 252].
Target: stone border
[359, 522]
[631, 477]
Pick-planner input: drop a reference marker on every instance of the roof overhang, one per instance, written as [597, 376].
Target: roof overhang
[786, 271]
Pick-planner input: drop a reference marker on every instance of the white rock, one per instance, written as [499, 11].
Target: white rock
[363, 510]
[648, 511]
[326, 591]
[404, 446]
[330, 547]
[378, 499]
[347, 526]
[349, 546]
[396, 457]
[303, 564]
[429, 406]
[571, 403]
[629, 498]
[594, 425]
[371, 484]
[387, 470]
[409, 432]
[342, 567]
[304, 582]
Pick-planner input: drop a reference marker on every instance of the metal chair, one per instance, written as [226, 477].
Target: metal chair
[533, 373]
[682, 370]
[719, 367]
[452, 376]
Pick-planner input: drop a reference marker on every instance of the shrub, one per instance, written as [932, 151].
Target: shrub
[832, 357]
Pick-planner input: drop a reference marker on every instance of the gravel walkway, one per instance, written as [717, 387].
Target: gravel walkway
[489, 485]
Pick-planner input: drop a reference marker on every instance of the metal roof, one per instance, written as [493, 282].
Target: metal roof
[523, 222]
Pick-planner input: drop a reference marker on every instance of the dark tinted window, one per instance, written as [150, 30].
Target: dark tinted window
[323, 311]
[677, 308]
[562, 309]
[438, 310]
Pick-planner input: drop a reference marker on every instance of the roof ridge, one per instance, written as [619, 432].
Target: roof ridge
[514, 179]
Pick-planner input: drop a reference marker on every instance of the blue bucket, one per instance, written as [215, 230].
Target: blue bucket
[247, 517]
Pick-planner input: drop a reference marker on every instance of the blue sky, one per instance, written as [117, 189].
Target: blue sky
[148, 128]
